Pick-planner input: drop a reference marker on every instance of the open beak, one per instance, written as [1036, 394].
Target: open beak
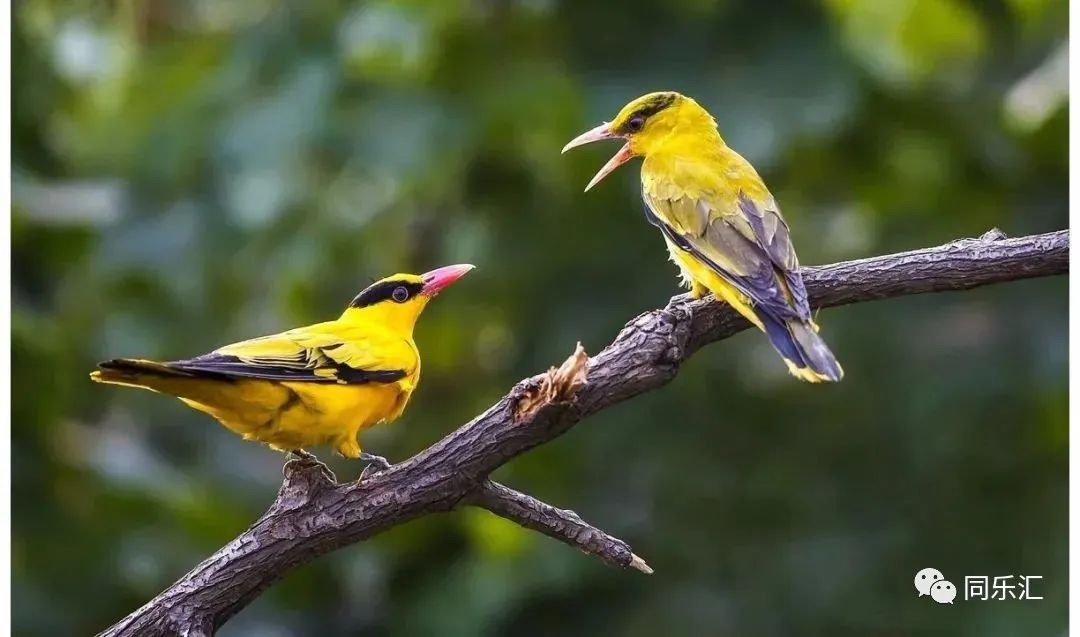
[438, 279]
[599, 133]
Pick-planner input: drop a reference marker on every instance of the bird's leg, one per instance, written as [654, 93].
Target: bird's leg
[684, 300]
[380, 463]
[301, 455]
[304, 458]
[698, 291]
[677, 300]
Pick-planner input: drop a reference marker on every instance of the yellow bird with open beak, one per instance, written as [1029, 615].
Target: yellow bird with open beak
[721, 225]
[314, 385]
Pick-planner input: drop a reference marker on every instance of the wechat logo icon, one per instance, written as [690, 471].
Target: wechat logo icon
[930, 581]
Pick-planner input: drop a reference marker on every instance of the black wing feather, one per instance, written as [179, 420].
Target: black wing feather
[225, 366]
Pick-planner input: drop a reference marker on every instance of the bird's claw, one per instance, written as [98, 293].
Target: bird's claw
[679, 301]
[298, 458]
[300, 454]
[380, 464]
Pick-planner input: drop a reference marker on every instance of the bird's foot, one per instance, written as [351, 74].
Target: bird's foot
[680, 301]
[298, 459]
[380, 464]
[300, 454]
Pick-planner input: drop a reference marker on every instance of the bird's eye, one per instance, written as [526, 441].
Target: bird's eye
[400, 294]
[636, 123]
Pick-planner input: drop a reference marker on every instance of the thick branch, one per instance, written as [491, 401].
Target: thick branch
[312, 515]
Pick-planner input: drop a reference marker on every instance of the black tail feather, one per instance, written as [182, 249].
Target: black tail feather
[132, 368]
[799, 344]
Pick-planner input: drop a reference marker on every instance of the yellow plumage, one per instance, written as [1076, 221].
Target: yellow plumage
[722, 226]
[314, 385]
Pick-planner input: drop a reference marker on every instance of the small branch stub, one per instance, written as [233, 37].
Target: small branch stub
[639, 564]
[556, 386]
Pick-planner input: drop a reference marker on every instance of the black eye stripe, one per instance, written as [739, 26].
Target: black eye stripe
[384, 291]
[647, 110]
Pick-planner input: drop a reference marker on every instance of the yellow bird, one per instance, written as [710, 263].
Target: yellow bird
[721, 225]
[314, 385]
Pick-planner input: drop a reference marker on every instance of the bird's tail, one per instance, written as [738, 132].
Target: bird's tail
[135, 372]
[807, 356]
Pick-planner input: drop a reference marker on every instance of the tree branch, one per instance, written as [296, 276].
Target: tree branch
[312, 515]
[565, 526]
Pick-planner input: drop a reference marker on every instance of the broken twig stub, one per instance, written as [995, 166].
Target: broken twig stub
[556, 386]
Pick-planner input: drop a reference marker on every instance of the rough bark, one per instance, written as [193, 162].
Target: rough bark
[313, 515]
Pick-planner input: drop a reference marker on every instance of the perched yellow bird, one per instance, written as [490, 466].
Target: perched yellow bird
[722, 227]
[314, 385]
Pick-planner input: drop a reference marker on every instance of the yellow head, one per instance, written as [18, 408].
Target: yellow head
[397, 301]
[649, 124]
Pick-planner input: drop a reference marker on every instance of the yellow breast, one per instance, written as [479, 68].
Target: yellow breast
[290, 416]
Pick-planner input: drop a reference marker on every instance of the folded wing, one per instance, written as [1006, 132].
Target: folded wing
[316, 354]
[747, 244]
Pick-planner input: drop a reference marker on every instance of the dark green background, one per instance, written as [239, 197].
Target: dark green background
[187, 174]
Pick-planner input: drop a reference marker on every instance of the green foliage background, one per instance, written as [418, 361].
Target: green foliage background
[191, 173]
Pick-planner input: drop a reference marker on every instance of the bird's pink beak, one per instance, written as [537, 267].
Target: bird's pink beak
[438, 279]
[601, 132]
